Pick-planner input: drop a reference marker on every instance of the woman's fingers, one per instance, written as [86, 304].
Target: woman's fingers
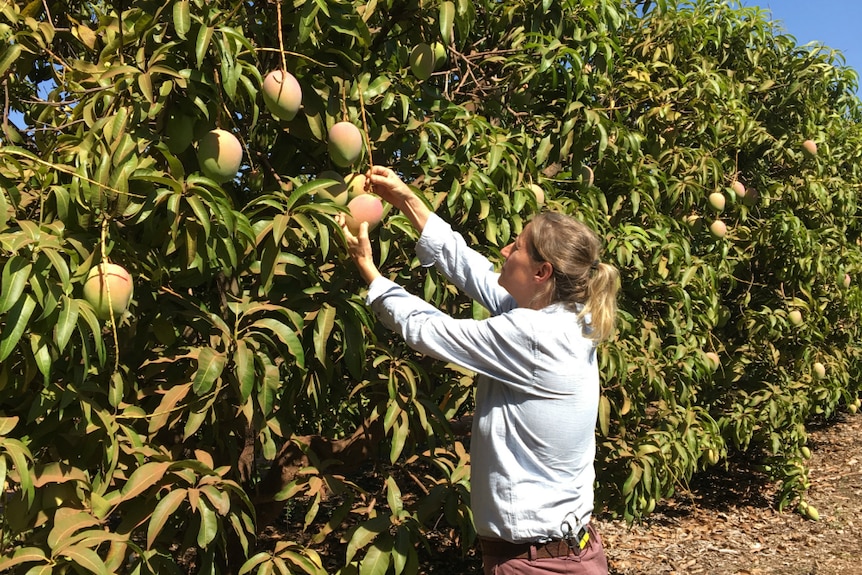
[380, 171]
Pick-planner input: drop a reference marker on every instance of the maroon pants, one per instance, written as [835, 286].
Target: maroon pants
[590, 561]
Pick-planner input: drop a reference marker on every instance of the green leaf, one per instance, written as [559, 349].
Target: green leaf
[41, 354]
[9, 57]
[379, 86]
[92, 322]
[209, 526]
[322, 330]
[202, 214]
[196, 419]
[218, 497]
[286, 335]
[7, 424]
[280, 223]
[376, 561]
[87, 559]
[254, 561]
[494, 157]
[182, 18]
[60, 266]
[21, 556]
[633, 479]
[163, 511]
[447, 21]
[167, 405]
[365, 533]
[56, 472]
[210, 366]
[244, 361]
[143, 478]
[401, 549]
[544, 150]
[205, 35]
[16, 274]
[41, 570]
[309, 562]
[19, 454]
[116, 389]
[399, 437]
[393, 496]
[16, 323]
[230, 73]
[391, 416]
[604, 415]
[67, 525]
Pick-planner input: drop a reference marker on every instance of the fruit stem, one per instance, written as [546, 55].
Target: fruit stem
[367, 139]
[104, 260]
[281, 40]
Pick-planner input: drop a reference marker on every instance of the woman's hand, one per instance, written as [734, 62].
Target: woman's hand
[359, 248]
[391, 188]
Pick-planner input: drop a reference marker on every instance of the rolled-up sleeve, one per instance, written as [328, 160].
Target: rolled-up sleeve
[496, 347]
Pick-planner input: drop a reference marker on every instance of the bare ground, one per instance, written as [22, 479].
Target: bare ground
[726, 524]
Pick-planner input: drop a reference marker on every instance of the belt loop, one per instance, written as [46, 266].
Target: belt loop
[532, 553]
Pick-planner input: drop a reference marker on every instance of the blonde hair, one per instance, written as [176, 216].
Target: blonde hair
[580, 280]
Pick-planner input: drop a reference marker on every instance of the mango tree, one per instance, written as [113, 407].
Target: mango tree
[244, 384]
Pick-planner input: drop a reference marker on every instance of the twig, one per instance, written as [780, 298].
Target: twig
[367, 138]
[836, 477]
[281, 41]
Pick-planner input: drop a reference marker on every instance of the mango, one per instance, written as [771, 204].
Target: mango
[282, 94]
[422, 61]
[717, 201]
[364, 208]
[107, 277]
[795, 317]
[219, 155]
[345, 144]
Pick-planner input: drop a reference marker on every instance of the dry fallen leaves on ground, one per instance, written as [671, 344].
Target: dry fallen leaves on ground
[726, 525]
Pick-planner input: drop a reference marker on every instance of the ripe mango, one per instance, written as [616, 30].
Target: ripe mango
[718, 228]
[107, 277]
[219, 155]
[282, 94]
[345, 144]
[364, 208]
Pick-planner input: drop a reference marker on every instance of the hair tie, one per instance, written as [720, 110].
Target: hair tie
[595, 265]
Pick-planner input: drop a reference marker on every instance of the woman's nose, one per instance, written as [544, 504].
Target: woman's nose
[506, 251]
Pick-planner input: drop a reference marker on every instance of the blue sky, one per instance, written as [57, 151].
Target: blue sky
[835, 23]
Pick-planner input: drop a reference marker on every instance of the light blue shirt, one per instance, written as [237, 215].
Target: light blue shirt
[533, 440]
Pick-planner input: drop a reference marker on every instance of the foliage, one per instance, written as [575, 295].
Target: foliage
[248, 373]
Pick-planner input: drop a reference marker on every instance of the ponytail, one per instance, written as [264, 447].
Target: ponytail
[601, 304]
[579, 280]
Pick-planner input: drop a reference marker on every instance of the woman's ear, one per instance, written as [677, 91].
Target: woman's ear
[544, 272]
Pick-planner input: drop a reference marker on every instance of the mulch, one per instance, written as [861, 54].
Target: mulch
[726, 523]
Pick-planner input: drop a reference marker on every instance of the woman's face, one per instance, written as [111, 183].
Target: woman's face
[521, 275]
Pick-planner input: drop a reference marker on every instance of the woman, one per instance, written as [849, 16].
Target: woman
[537, 395]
